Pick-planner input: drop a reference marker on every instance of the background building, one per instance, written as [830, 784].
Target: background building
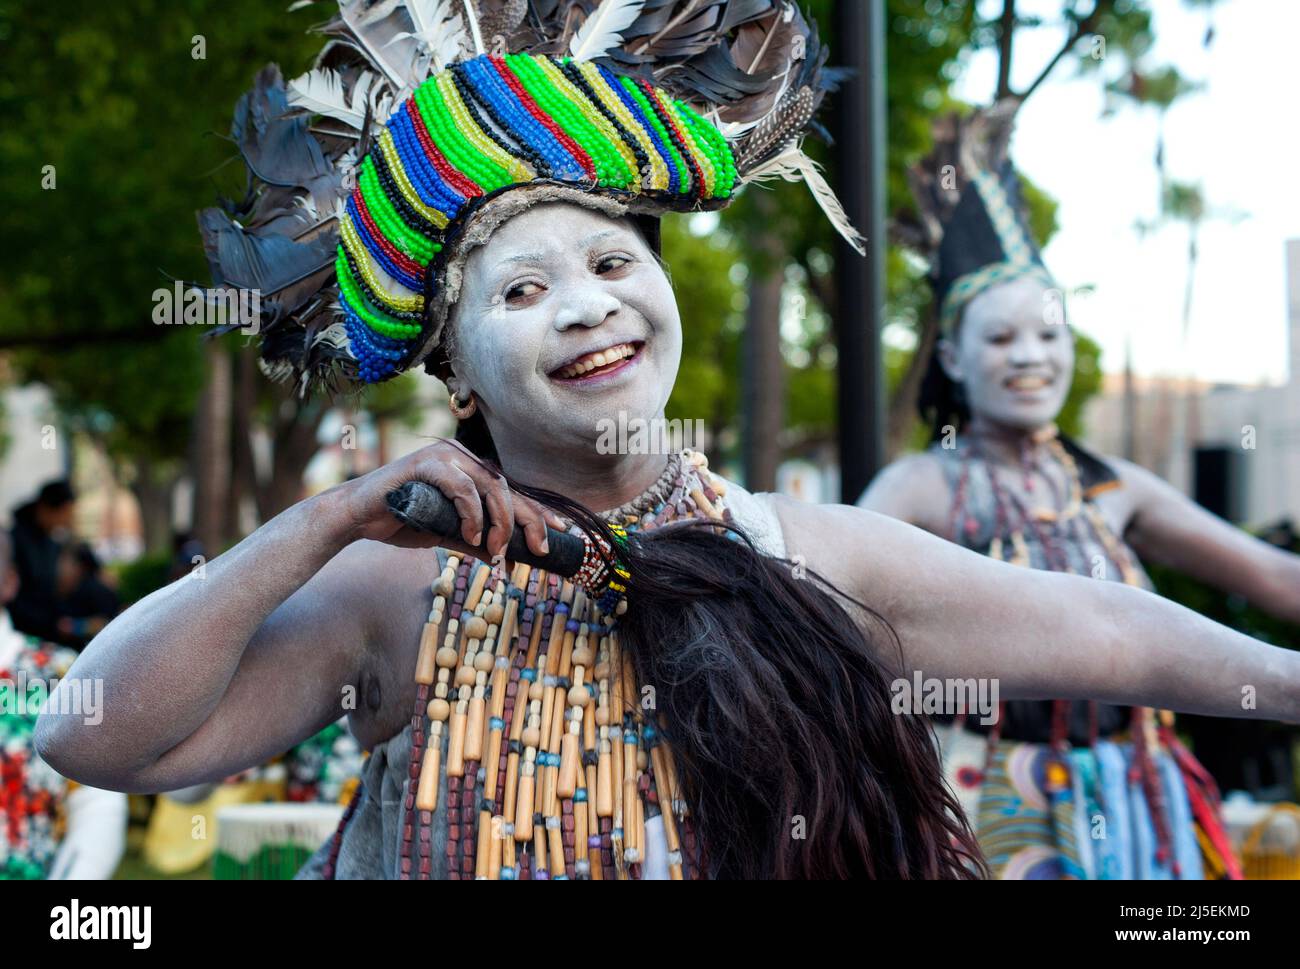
[1235, 448]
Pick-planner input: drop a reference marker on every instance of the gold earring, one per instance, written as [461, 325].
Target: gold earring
[463, 411]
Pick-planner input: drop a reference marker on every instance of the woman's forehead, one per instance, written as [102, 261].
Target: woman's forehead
[549, 230]
[1020, 302]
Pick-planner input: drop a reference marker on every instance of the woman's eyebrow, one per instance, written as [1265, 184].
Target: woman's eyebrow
[597, 236]
[524, 257]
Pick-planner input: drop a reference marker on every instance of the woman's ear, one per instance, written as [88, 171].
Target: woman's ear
[948, 359]
[458, 386]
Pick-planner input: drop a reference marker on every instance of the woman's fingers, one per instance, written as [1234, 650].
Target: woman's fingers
[462, 491]
[529, 515]
[488, 509]
[500, 505]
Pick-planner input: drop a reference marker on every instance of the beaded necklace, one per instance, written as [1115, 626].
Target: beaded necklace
[552, 762]
[31, 793]
[1055, 528]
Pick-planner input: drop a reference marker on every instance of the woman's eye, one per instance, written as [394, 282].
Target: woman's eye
[610, 263]
[522, 291]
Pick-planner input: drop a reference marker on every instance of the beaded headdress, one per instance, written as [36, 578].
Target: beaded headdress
[972, 213]
[425, 123]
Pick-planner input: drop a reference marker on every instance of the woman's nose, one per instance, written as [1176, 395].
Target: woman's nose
[586, 306]
[1028, 349]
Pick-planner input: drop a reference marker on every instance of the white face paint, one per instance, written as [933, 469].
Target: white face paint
[1013, 356]
[564, 318]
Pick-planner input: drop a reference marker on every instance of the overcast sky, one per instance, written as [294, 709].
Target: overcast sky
[1239, 137]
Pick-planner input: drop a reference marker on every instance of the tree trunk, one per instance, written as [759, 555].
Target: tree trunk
[297, 424]
[902, 406]
[212, 452]
[153, 489]
[1006, 35]
[243, 473]
[763, 392]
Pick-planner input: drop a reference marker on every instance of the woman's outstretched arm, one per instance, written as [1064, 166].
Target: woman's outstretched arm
[1041, 635]
[1169, 528]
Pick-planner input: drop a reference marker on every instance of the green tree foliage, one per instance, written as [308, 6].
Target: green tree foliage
[706, 270]
[116, 117]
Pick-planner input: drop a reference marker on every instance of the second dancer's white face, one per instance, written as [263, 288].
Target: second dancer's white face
[565, 318]
[1012, 355]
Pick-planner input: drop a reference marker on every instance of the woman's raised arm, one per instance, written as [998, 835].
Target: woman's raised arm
[1041, 635]
[226, 668]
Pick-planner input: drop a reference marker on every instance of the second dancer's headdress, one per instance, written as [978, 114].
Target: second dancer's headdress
[972, 212]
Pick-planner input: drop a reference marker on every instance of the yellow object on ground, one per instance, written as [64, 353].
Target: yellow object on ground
[182, 837]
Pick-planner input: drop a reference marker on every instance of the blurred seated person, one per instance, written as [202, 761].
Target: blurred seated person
[50, 827]
[40, 530]
[86, 601]
[187, 553]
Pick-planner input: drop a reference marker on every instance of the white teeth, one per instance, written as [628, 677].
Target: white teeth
[1027, 383]
[594, 361]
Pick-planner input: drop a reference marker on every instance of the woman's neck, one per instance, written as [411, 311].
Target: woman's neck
[601, 482]
[1005, 443]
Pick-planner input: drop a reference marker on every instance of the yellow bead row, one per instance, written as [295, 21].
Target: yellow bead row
[465, 124]
[698, 149]
[414, 303]
[389, 150]
[658, 178]
[566, 87]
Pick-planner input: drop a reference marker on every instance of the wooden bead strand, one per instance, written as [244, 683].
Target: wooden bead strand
[527, 672]
[525, 583]
[521, 678]
[423, 775]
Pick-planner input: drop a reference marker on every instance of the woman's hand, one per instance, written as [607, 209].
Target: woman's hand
[472, 487]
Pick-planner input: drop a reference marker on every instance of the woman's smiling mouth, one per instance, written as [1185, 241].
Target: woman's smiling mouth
[591, 367]
[1027, 382]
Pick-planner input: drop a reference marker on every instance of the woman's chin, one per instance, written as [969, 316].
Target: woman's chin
[1026, 418]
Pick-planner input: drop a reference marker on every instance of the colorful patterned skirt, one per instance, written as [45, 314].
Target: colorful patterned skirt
[1043, 811]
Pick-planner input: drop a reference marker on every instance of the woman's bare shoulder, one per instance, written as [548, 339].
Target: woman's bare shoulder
[913, 488]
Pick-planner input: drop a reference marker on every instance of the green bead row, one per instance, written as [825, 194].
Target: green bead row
[418, 247]
[461, 154]
[710, 140]
[611, 166]
[373, 316]
[684, 176]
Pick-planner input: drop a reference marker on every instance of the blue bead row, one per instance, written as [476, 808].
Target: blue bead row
[411, 282]
[674, 180]
[376, 354]
[520, 120]
[432, 188]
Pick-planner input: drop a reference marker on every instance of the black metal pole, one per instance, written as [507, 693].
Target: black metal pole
[859, 130]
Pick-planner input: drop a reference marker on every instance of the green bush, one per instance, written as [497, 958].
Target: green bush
[137, 579]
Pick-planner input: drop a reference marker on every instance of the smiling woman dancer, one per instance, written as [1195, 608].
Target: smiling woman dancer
[730, 717]
[1001, 480]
